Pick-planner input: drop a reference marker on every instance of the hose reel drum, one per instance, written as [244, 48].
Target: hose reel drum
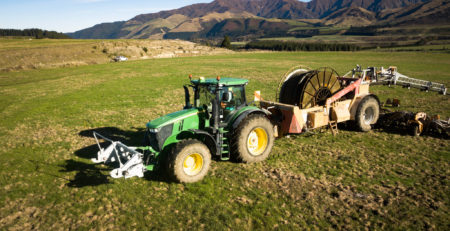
[308, 88]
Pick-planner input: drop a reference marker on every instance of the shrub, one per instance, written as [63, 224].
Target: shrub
[226, 43]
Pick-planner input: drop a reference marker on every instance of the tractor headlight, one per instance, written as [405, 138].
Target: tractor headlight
[153, 130]
[157, 136]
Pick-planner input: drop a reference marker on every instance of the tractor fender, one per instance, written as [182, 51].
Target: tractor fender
[244, 115]
[358, 100]
[200, 135]
[206, 138]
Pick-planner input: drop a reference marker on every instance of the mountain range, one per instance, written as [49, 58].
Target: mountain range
[270, 18]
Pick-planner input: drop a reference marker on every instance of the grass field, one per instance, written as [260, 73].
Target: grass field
[435, 47]
[374, 180]
[362, 41]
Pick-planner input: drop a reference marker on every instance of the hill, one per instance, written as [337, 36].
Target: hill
[350, 16]
[100, 31]
[434, 12]
[239, 17]
[323, 8]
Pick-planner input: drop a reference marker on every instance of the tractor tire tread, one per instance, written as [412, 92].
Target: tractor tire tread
[176, 156]
[368, 101]
[239, 149]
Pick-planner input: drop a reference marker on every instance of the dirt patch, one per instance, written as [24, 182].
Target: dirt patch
[344, 205]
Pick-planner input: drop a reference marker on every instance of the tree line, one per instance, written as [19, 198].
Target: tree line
[300, 46]
[362, 31]
[34, 33]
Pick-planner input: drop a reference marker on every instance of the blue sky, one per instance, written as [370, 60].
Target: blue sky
[73, 15]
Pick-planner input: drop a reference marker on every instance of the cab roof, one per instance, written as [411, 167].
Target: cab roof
[224, 81]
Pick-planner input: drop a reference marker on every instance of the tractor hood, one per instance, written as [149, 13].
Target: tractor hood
[172, 118]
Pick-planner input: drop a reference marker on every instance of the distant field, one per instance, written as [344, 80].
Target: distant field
[436, 47]
[353, 181]
[26, 53]
[385, 37]
[363, 41]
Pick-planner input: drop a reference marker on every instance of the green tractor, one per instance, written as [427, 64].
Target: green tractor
[219, 123]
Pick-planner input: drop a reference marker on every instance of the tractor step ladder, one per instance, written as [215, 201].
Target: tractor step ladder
[225, 149]
[333, 127]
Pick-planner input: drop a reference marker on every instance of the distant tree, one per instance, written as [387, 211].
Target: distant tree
[226, 43]
[36, 33]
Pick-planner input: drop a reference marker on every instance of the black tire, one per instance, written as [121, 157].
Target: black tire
[189, 161]
[255, 128]
[367, 113]
[414, 130]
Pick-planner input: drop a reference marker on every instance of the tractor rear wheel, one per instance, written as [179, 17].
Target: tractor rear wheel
[189, 161]
[253, 139]
[367, 113]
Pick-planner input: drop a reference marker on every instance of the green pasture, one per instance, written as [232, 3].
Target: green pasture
[376, 180]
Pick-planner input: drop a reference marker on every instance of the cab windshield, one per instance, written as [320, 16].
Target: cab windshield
[230, 97]
[205, 94]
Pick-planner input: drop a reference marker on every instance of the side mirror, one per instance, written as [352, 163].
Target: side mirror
[187, 98]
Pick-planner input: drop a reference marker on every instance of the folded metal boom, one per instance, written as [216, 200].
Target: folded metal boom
[391, 76]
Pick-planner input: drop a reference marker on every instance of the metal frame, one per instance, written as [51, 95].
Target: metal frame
[131, 162]
[391, 76]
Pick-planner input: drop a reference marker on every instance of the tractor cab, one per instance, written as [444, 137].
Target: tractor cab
[219, 97]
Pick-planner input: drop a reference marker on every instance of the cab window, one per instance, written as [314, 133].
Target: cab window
[205, 95]
[232, 97]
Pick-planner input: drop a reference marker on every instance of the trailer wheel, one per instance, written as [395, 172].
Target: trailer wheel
[414, 130]
[253, 139]
[367, 113]
[189, 161]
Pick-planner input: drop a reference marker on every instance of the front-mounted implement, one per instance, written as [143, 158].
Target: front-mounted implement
[130, 159]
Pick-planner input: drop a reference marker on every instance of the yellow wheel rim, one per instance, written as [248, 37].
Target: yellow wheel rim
[257, 141]
[193, 164]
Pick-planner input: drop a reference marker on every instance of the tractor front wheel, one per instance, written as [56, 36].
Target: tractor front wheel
[189, 161]
[253, 139]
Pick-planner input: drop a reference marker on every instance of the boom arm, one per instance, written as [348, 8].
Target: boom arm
[391, 76]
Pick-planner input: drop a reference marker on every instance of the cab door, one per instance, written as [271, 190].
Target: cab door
[232, 98]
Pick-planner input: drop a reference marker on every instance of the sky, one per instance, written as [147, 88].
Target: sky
[72, 15]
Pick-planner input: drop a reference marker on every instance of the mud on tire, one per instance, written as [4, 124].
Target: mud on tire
[253, 139]
[367, 113]
[189, 161]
